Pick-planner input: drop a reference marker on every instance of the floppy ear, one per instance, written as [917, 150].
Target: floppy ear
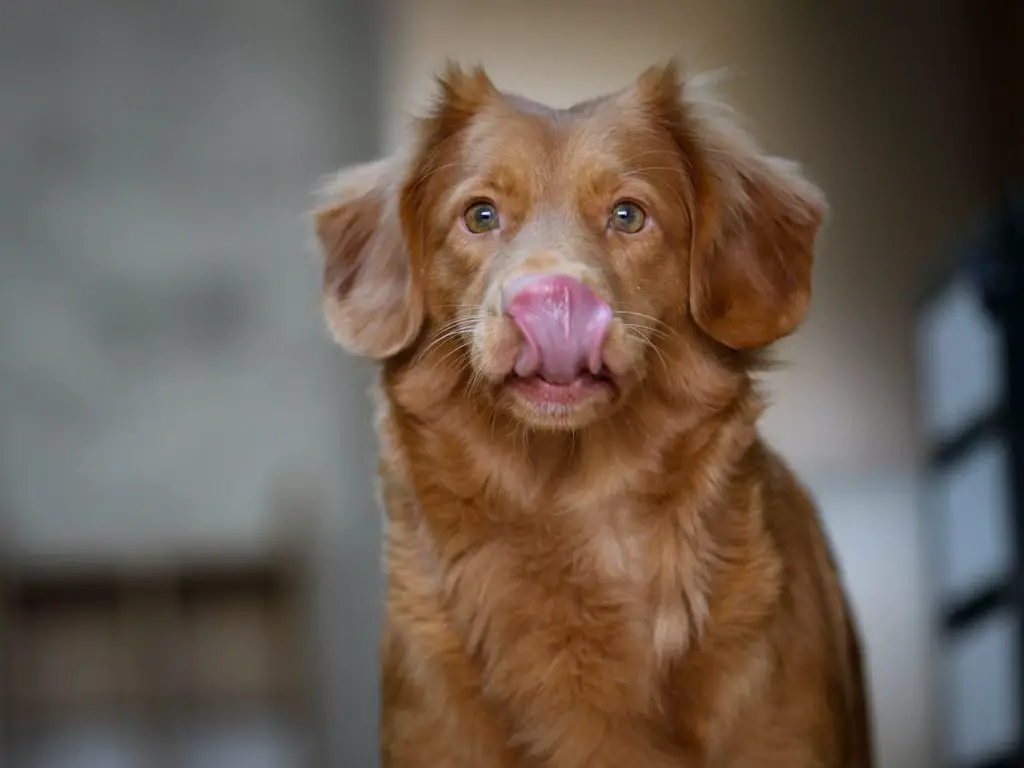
[372, 301]
[755, 223]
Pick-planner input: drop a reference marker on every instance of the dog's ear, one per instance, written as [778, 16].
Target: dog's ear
[750, 279]
[755, 220]
[373, 227]
[372, 302]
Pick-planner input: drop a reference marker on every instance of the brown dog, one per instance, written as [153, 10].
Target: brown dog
[594, 560]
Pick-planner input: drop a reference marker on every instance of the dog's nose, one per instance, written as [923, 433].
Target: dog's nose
[563, 323]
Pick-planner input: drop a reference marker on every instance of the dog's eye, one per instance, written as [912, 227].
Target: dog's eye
[627, 217]
[481, 217]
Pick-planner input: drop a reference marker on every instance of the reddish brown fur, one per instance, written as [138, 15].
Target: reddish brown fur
[641, 583]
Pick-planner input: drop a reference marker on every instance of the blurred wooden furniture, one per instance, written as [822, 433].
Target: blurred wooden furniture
[204, 663]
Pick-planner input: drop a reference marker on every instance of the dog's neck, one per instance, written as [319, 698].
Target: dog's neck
[662, 442]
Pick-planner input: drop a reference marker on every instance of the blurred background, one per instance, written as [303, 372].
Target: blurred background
[189, 547]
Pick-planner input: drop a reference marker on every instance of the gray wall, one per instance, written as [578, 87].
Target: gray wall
[162, 363]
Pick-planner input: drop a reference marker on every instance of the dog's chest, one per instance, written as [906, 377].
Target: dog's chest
[561, 621]
[569, 617]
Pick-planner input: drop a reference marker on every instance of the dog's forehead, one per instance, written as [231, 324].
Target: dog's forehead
[601, 133]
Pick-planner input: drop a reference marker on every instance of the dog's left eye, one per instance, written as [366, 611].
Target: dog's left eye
[627, 217]
[481, 217]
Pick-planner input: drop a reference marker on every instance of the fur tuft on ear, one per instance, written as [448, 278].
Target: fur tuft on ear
[463, 91]
[659, 87]
[459, 98]
[372, 301]
[756, 219]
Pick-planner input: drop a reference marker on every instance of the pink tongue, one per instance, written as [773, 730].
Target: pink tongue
[563, 324]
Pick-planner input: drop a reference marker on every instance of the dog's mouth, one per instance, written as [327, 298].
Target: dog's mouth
[563, 393]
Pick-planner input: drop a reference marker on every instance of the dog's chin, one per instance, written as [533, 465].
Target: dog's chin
[553, 406]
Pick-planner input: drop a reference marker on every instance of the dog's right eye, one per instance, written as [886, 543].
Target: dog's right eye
[481, 217]
[627, 217]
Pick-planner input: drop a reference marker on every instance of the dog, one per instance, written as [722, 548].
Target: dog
[593, 558]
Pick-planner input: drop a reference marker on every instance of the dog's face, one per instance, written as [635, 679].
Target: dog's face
[555, 259]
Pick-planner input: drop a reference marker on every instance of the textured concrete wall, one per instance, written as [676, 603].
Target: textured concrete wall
[162, 361]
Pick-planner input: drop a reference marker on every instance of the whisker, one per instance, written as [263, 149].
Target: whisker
[647, 331]
[455, 350]
[457, 327]
[663, 329]
[638, 333]
[449, 335]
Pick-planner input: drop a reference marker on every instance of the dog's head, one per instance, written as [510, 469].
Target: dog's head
[557, 260]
